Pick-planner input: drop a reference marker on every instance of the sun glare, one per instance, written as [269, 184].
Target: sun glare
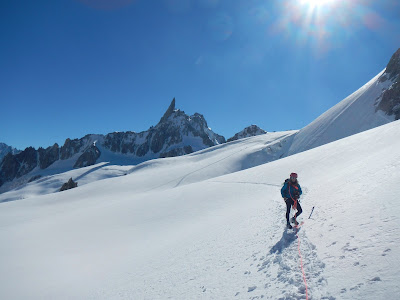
[315, 3]
[324, 24]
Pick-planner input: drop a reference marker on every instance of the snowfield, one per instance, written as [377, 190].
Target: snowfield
[211, 225]
[356, 113]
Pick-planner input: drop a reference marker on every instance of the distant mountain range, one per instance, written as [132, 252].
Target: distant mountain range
[374, 104]
[176, 134]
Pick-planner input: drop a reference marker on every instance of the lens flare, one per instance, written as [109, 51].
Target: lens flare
[325, 24]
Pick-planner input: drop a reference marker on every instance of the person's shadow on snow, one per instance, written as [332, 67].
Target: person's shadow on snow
[288, 237]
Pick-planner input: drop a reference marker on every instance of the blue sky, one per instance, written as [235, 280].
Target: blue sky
[73, 67]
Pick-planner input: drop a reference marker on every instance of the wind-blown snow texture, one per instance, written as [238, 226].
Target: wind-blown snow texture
[210, 225]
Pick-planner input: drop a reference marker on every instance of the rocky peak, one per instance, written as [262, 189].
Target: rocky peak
[15, 166]
[169, 111]
[48, 156]
[393, 67]
[176, 134]
[199, 122]
[5, 149]
[252, 130]
[72, 147]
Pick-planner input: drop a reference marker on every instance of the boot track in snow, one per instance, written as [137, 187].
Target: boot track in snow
[292, 265]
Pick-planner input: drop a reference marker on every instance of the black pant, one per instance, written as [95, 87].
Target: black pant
[289, 203]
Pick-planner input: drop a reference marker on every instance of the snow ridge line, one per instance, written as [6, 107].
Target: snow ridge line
[301, 262]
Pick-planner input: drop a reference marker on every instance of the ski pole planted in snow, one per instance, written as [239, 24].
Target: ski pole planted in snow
[311, 212]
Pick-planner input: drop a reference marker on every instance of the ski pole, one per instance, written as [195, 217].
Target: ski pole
[311, 212]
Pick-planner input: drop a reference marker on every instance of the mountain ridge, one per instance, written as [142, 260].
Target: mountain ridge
[230, 229]
[176, 134]
[251, 130]
[374, 104]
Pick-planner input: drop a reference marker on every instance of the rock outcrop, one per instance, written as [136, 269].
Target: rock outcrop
[88, 158]
[48, 156]
[390, 100]
[72, 147]
[393, 67]
[176, 134]
[15, 166]
[5, 149]
[69, 185]
[252, 130]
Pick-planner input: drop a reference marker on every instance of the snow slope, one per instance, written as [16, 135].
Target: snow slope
[181, 236]
[354, 114]
[226, 158]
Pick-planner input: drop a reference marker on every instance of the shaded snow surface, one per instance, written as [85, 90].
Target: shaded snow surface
[194, 227]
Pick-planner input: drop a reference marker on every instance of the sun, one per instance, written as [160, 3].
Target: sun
[317, 3]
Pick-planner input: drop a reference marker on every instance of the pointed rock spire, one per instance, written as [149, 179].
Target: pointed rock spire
[169, 111]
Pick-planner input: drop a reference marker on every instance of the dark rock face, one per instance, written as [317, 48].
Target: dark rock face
[167, 138]
[123, 142]
[390, 102]
[163, 135]
[8, 168]
[175, 125]
[15, 166]
[393, 67]
[169, 111]
[28, 161]
[5, 149]
[88, 158]
[69, 185]
[48, 156]
[70, 148]
[252, 130]
[199, 128]
[143, 149]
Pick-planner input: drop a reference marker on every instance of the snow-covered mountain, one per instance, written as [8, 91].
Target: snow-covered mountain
[374, 104]
[211, 224]
[231, 157]
[252, 130]
[196, 227]
[5, 149]
[176, 134]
